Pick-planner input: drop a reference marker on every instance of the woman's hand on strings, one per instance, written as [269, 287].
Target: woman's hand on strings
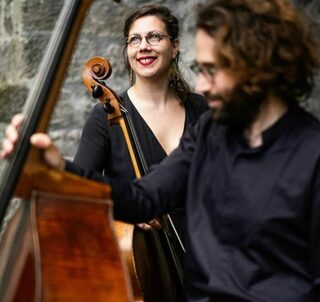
[51, 154]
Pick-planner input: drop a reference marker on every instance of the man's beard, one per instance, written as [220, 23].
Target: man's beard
[238, 109]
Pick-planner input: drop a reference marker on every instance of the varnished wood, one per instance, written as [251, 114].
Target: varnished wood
[41, 178]
[74, 238]
[66, 246]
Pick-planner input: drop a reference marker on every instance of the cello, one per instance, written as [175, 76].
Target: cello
[60, 244]
[154, 264]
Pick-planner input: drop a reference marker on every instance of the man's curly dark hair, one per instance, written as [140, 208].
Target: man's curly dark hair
[269, 44]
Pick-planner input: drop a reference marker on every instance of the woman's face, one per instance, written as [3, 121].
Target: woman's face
[150, 61]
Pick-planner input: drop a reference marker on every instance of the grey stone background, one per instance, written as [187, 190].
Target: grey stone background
[25, 27]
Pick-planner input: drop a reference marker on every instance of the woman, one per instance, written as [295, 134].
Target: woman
[159, 101]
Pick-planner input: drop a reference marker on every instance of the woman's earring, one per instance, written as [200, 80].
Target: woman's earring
[174, 75]
[131, 77]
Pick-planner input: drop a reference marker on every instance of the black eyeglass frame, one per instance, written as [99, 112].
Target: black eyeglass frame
[160, 36]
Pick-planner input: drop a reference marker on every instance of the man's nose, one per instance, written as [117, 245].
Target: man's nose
[203, 84]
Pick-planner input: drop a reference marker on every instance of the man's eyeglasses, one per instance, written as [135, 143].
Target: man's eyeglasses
[153, 38]
[208, 70]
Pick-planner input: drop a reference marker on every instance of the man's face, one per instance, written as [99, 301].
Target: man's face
[213, 86]
[228, 102]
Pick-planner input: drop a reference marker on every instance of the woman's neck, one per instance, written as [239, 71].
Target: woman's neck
[151, 93]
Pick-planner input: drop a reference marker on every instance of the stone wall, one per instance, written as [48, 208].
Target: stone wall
[25, 27]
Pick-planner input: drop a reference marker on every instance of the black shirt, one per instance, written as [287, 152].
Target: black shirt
[253, 227]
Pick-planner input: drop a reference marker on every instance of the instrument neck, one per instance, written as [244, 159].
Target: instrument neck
[42, 98]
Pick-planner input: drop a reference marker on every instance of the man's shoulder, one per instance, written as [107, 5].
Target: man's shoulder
[204, 125]
[197, 102]
[206, 118]
[307, 129]
[308, 122]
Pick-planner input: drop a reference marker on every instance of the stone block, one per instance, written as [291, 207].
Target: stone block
[39, 15]
[12, 99]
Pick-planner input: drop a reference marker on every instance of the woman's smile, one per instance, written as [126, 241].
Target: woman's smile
[147, 60]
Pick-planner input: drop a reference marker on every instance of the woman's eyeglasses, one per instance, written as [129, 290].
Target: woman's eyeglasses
[153, 38]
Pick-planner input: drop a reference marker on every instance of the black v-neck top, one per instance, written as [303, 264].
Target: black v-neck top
[102, 147]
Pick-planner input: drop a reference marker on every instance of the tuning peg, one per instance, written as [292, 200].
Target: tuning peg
[108, 108]
[97, 92]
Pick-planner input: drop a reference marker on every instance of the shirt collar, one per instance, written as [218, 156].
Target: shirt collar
[273, 132]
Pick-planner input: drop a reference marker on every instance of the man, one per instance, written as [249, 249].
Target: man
[249, 170]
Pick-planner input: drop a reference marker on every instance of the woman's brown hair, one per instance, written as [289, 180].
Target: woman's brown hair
[179, 85]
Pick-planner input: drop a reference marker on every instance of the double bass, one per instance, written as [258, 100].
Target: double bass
[60, 244]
